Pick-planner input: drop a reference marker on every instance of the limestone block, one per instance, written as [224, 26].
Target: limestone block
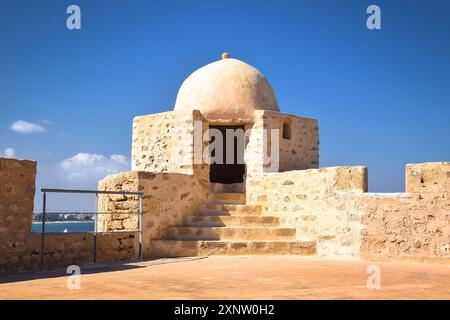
[428, 177]
[164, 142]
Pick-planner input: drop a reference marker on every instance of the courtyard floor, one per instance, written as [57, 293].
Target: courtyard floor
[216, 277]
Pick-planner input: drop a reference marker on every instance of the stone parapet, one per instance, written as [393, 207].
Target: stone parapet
[20, 249]
[406, 226]
[428, 177]
[168, 198]
[331, 206]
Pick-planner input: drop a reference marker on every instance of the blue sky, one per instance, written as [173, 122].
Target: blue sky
[382, 97]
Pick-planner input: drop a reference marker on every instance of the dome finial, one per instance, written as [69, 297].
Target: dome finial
[225, 55]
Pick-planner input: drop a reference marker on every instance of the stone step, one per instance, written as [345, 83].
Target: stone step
[230, 233]
[228, 187]
[231, 221]
[174, 248]
[228, 210]
[226, 197]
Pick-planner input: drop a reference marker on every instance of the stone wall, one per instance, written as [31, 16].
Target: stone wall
[254, 154]
[412, 225]
[278, 192]
[332, 207]
[173, 142]
[20, 249]
[328, 205]
[164, 142]
[64, 249]
[319, 203]
[298, 150]
[17, 189]
[167, 198]
[428, 177]
[406, 226]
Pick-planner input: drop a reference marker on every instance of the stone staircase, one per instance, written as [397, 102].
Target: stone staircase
[225, 225]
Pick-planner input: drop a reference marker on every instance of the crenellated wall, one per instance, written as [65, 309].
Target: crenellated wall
[413, 225]
[329, 205]
[332, 207]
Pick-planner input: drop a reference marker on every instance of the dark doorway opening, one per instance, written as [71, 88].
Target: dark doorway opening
[223, 172]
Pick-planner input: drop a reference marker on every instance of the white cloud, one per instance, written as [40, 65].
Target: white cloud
[120, 158]
[84, 167]
[21, 126]
[9, 153]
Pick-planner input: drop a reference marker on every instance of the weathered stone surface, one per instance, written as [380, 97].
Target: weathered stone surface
[17, 184]
[289, 205]
[331, 206]
[20, 249]
[300, 151]
[428, 177]
[174, 248]
[168, 198]
[164, 142]
[16, 203]
[230, 233]
[412, 226]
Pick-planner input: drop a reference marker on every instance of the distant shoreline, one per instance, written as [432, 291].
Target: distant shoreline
[64, 226]
[90, 221]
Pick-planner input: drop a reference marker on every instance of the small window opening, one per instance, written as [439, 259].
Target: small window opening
[286, 131]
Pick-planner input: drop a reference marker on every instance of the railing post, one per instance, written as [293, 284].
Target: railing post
[44, 217]
[140, 227]
[95, 247]
[95, 228]
[95, 233]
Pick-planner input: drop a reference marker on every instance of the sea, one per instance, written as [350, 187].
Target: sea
[65, 226]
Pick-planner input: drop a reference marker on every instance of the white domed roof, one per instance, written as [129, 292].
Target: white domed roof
[226, 89]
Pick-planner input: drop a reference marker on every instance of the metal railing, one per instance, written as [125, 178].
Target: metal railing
[96, 192]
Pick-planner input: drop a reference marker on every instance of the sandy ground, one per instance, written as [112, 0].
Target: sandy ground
[275, 277]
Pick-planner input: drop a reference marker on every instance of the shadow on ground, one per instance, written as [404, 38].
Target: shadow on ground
[91, 269]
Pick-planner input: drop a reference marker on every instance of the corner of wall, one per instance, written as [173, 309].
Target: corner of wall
[428, 177]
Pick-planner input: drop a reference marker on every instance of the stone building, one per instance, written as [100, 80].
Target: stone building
[208, 213]
[262, 194]
[275, 200]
